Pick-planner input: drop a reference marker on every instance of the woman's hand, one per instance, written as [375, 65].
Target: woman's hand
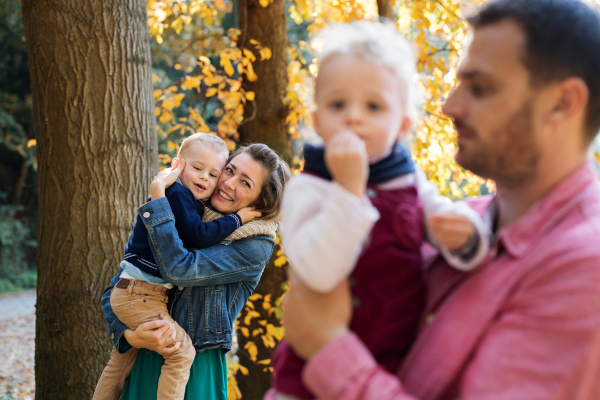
[165, 178]
[154, 336]
[314, 319]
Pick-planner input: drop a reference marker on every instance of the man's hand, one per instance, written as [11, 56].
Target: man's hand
[155, 336]
[347, 161]
[314, 319]
[450, 230]
[247, 214]
[166, 178]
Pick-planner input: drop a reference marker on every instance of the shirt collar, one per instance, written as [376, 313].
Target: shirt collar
[543, 215]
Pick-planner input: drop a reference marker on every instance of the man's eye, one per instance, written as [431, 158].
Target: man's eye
[477, 90]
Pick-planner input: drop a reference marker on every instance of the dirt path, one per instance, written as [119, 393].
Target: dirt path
[17, 345]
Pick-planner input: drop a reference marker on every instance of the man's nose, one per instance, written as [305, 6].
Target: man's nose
[454, 107]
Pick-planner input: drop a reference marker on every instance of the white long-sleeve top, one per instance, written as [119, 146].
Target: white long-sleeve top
[324, 227]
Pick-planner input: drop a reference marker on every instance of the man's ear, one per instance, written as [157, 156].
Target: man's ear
[174, 163]
[571, 99]
[404, 128]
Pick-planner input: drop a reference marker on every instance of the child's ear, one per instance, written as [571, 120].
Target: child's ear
[174, 163]
[404, 128]
[315, 119]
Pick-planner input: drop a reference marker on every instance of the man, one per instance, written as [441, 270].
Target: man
[526, 323]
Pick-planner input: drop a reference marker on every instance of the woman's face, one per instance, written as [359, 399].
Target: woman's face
[239, 185]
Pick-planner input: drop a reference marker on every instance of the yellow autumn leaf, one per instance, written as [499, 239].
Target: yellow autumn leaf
[264, 3]
[245, 331]
[255, 296]
[31, 143]
[597, 155]
[265, 53]
[264, 362]
[211, 92]
[250, 96]
[252, 350]
[226, 64]
[243, 370]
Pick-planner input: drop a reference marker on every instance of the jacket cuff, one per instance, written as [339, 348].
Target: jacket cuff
[334, 367]
[237, 218]
[116, 336]
[155, 211]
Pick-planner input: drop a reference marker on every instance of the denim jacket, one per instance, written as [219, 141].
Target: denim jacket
[214, 283]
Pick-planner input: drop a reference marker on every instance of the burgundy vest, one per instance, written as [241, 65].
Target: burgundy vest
[388, 289]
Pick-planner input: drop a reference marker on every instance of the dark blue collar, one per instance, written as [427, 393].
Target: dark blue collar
[398, 163]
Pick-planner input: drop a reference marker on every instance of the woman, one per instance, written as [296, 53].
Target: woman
[213, 283]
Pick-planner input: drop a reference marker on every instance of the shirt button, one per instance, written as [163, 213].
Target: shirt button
[429, 318]
[355, 302]
[112, 336]
[371, 193]
[146, 214]
[352, 281]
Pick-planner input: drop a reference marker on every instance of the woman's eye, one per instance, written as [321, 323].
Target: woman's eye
[228, 170]
[374, 106]
[246, 183]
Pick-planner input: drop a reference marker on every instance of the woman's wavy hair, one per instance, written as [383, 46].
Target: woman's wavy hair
[277, 174]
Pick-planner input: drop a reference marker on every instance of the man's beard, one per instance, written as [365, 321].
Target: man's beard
[509, 157]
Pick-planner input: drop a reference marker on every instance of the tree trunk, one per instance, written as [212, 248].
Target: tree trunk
[386, 11]
[96, 147]
[264, 118]
[254, 385]
[264, 122]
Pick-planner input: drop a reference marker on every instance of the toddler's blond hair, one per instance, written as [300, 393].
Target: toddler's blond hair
[212, 141]
[378, 43]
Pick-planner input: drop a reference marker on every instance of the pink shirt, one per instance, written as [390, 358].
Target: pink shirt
[524, 325]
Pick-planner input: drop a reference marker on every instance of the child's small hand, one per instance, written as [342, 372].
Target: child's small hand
[247, 214]
[450, 230]
[347, 161]
[164, 179]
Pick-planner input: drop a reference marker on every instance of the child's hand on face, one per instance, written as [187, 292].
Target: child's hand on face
[450, 230]
[347, 161]
[247, 214]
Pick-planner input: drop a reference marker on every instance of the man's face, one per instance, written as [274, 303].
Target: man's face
[493, 107]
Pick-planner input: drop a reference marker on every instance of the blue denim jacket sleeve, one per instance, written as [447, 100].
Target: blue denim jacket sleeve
[115, 327]
[241, 260]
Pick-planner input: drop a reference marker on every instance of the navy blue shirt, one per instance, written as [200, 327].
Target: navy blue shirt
[193, 232]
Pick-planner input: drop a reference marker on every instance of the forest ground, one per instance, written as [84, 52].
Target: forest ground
[17, 345]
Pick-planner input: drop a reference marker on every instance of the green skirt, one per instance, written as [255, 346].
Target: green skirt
[208, 377]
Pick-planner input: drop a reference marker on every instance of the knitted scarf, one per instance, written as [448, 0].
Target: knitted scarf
[398, 163]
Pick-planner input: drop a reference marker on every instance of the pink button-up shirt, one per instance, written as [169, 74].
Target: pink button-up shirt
[525, 325]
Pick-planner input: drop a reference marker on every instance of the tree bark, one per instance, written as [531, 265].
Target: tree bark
[264, 118]
[386, 11]
[96, 147]
[264, 122]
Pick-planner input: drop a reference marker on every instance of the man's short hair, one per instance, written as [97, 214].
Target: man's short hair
[212, 141]
[563, 40]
